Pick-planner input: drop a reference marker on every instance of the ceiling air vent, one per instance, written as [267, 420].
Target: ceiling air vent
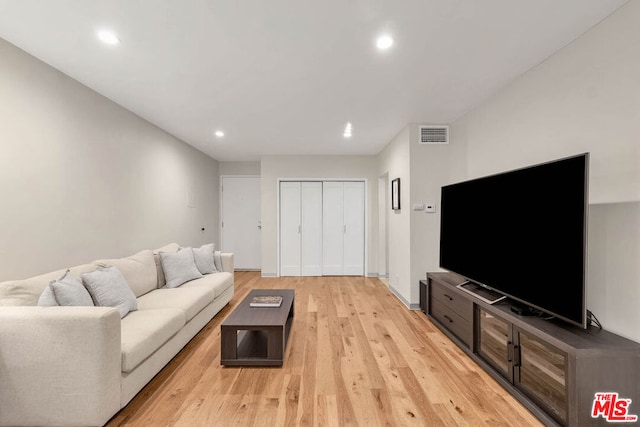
[431, 135]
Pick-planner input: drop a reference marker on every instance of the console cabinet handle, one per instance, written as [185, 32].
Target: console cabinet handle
[450, 299]
[448, 318]
[516, 355]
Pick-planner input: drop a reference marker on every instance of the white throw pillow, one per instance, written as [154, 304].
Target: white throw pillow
[179, 267]
[204, 258]
[69, 291]
[108, 288]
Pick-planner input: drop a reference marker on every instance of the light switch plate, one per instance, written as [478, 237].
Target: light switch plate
[418, 206]
[430, 208]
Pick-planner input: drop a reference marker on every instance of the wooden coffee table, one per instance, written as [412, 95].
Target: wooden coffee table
[257, 336]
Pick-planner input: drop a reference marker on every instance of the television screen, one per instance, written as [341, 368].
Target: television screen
[523, 234]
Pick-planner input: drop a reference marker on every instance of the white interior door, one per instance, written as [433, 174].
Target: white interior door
[311, 229]
[290, 229]
[353, 229]
[240, 222]
[333, 228]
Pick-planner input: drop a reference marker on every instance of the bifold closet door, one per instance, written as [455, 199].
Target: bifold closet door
[353, 229]
[311, 236]
[343, 229]
[290, 229]
[332, 228]
[301, 228]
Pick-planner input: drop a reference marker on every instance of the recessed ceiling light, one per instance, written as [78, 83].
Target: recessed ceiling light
[384, 42]
[108, 37]
[219, 134]
[347, 130]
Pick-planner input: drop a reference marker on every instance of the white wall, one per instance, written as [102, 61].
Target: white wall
[613, 289]
[414, 236]
[83, 178]
[394, 160]
[432, 166]
[584, 98]
[333, 167]
[384, 201]
[239, 168]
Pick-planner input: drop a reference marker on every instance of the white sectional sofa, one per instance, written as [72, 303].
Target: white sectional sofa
[78, 366]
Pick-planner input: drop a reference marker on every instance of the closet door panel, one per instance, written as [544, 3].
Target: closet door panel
[354, 229]
[290, 228]
[332, 228]
[312, 228]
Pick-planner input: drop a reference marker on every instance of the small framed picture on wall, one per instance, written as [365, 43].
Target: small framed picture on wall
[395, 194]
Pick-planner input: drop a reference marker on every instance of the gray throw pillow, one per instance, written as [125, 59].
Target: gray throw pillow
[69, 291]
[108, 288]
[204, 258]
[179, 267]
[47, 299]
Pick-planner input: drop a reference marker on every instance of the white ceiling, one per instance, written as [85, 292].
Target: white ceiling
[285, 76]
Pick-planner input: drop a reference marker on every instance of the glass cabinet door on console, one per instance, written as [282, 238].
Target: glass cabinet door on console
[536, 368]
[495, 342]
[540, 372]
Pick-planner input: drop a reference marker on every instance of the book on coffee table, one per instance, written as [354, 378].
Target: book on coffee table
[265, 301]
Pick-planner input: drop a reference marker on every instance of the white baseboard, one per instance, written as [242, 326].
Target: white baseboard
[407, 304]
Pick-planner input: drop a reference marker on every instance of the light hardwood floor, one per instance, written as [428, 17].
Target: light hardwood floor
[356, 356]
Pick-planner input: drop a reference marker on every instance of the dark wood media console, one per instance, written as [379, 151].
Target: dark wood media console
[553, 368]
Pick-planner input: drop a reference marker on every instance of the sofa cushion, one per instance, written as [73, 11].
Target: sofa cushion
[28, 291]
[203, 257]
[108, 288]
[219, 282]
[145, 331]
[190, 300]
[179, 267]
[139, 270]
[68, 290]
[171, 247]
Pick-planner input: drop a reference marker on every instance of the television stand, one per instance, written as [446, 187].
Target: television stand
[553, 368]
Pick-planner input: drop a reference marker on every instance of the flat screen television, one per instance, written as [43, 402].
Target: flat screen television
[522, 233]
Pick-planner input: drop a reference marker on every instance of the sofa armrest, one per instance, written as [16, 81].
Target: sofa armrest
[227, 261]
[59, 365]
